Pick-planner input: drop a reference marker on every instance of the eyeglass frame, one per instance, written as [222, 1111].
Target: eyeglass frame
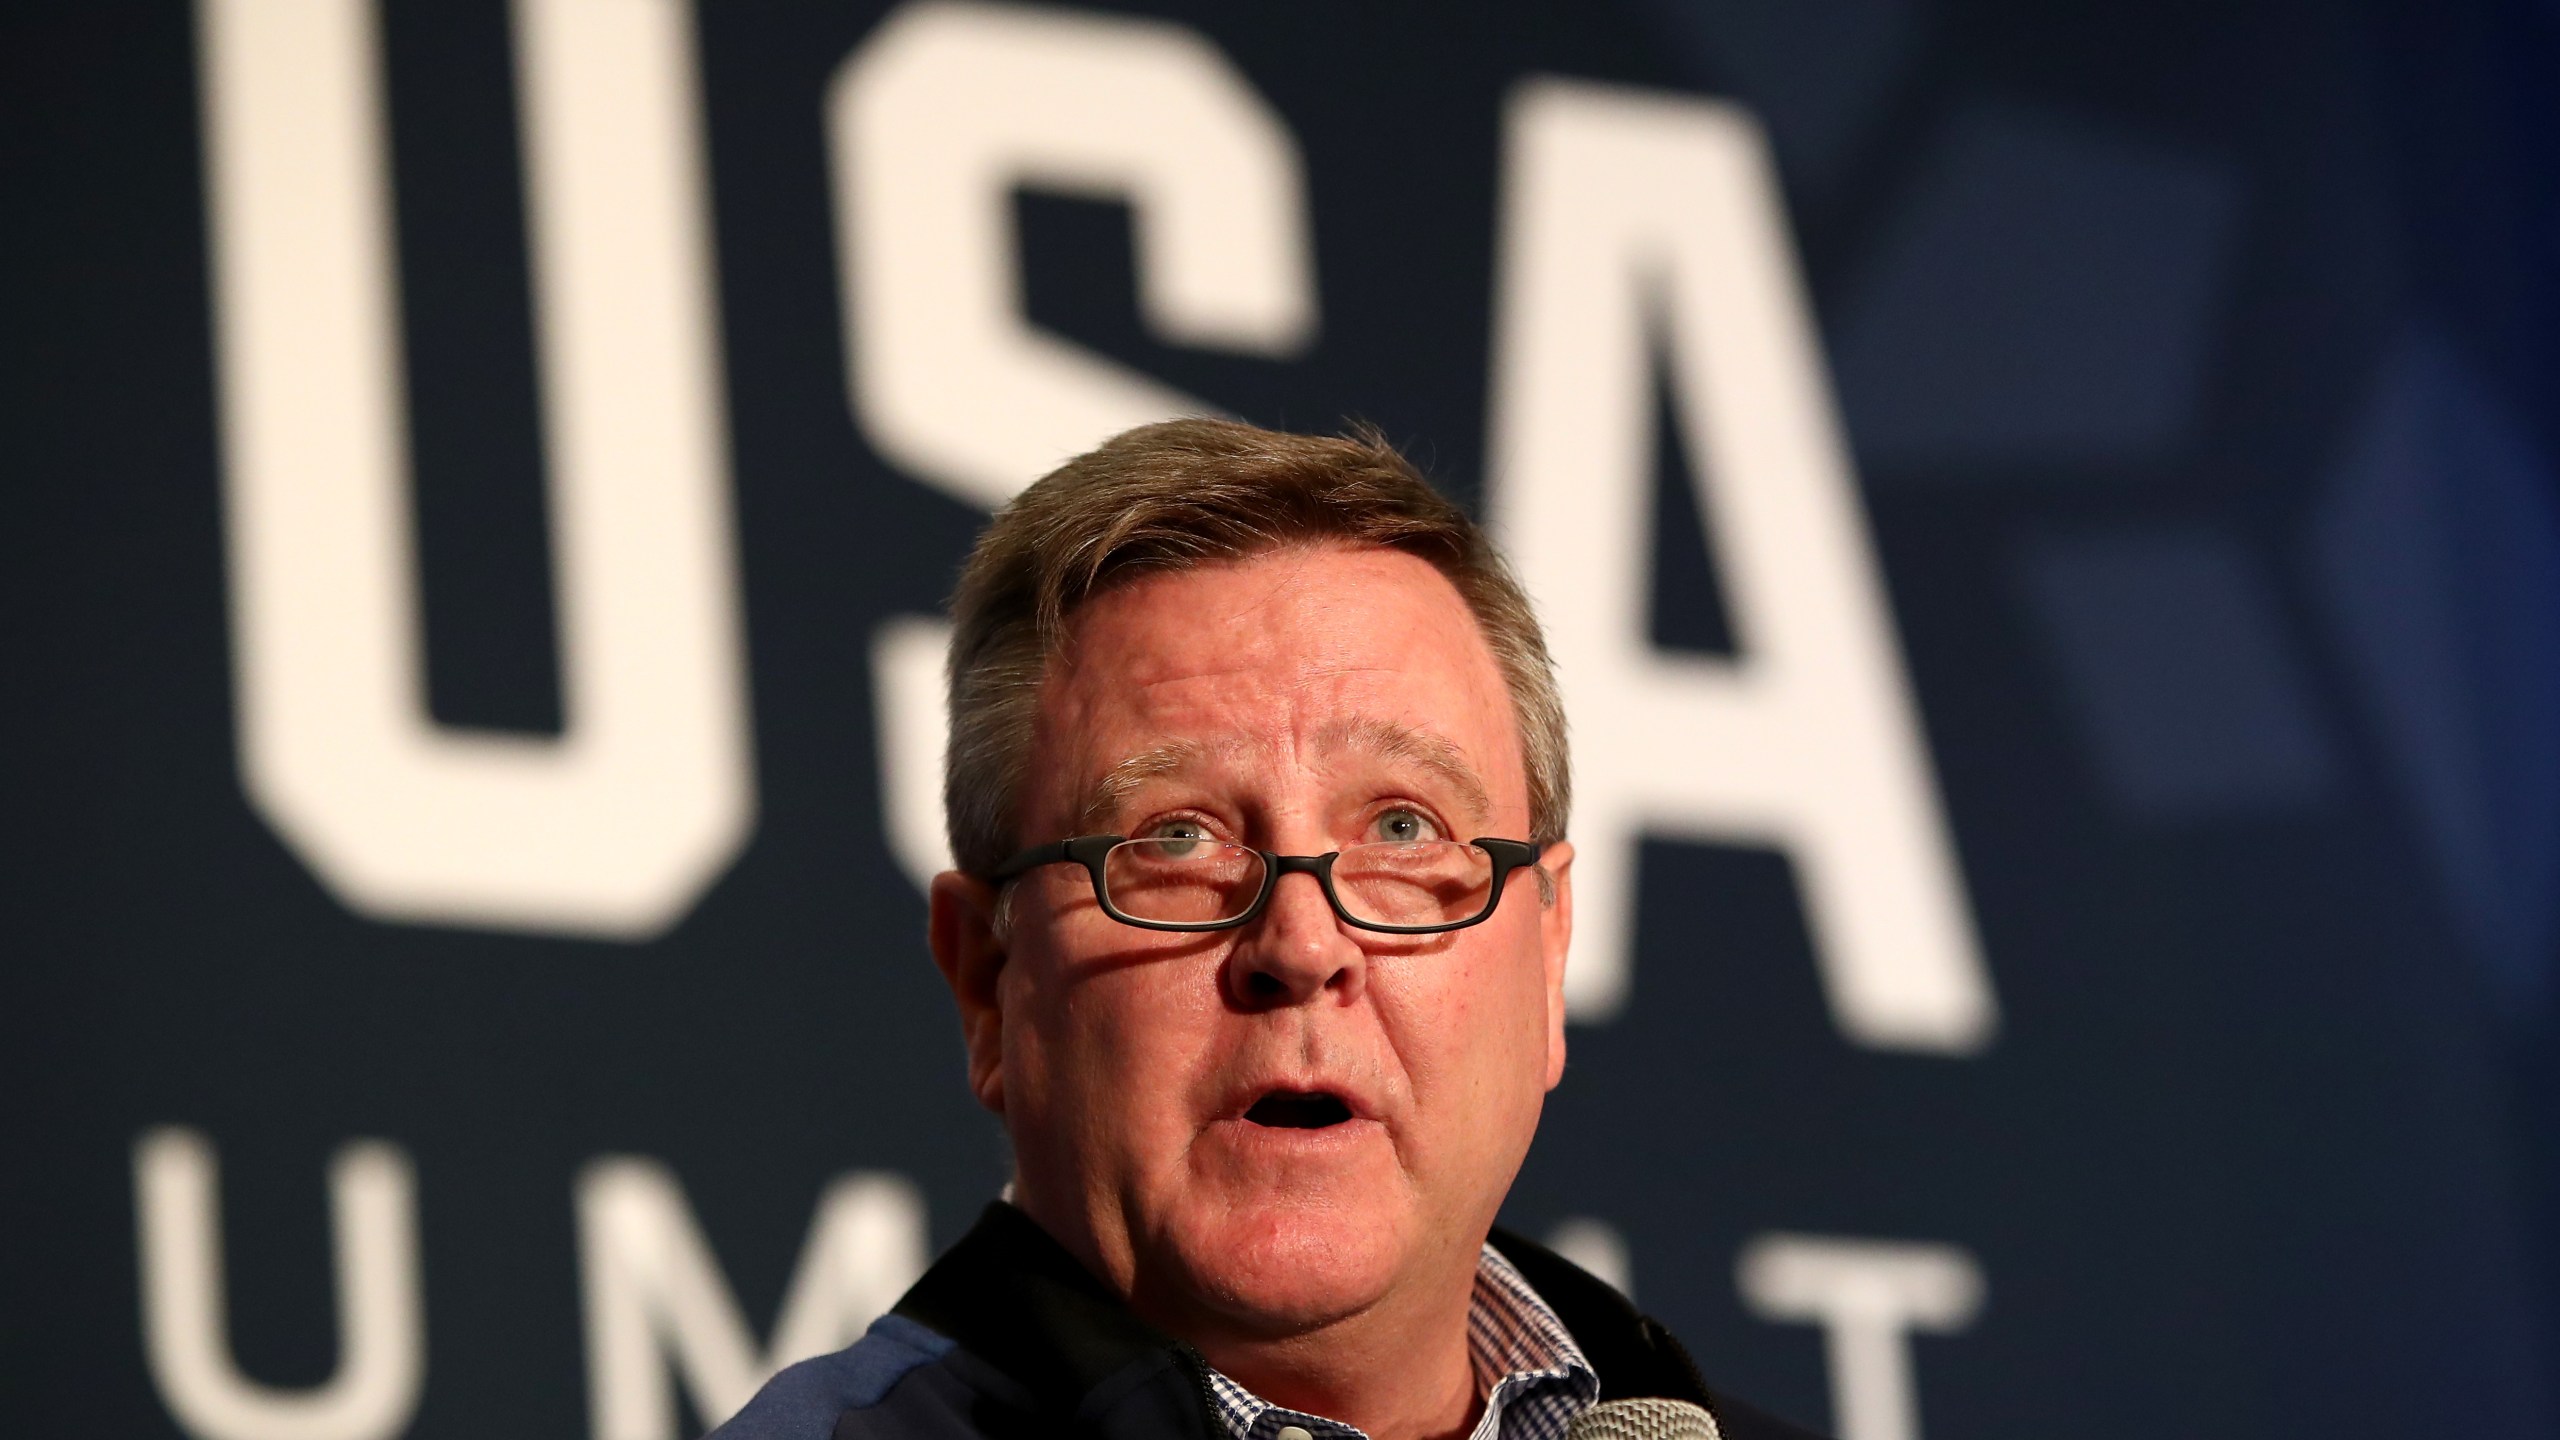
[1089, 851]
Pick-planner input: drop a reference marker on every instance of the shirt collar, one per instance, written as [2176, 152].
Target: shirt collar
[1530, 1374]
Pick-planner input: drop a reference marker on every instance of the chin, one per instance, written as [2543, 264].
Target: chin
[1286, 1265]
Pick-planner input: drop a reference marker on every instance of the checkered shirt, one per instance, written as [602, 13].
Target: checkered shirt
[1532, 1376]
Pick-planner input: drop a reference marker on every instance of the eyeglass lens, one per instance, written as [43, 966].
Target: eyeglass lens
[1198, 882]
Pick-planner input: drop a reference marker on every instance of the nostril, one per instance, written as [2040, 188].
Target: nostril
[1263, 985]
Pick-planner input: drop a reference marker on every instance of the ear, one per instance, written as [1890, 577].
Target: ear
[960, 926]
[1555, 935]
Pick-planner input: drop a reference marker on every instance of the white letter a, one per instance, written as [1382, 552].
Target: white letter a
[1628, 216]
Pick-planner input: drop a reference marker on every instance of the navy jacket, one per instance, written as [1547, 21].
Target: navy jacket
[1008, 1337]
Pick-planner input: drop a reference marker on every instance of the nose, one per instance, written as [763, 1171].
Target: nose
[1296, 952]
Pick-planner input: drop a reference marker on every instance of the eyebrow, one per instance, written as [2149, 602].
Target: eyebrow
[1122, 780]
[1403, 743]
[1383, 739]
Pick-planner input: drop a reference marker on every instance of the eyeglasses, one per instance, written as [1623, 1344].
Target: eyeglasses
[1417, 887]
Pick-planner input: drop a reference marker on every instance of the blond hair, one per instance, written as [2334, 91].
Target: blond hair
[1182, 493]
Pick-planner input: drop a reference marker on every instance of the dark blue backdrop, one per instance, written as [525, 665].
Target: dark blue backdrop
[2200, 367]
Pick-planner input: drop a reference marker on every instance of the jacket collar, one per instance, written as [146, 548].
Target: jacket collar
[1016, 1298]
[1634, 1356]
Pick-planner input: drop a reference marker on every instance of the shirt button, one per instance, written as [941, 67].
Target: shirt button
[1294, 1432]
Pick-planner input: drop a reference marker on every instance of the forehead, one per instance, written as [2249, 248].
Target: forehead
[1293, 657]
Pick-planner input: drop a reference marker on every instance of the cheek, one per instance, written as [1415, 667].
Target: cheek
[1483, 1025]
[1111, 1041]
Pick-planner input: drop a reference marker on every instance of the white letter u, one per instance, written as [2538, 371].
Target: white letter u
[614, 828]
[185, 1329]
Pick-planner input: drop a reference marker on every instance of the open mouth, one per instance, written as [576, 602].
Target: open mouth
[1296, 1110]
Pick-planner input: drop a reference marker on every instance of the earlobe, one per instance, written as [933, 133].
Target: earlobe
[960, 928]
[1555, 936]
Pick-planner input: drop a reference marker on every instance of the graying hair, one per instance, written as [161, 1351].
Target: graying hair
[1178, 494]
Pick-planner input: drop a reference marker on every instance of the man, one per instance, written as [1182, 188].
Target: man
[1257, 789]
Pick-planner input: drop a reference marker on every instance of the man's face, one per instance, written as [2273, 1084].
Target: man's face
[1299, 702]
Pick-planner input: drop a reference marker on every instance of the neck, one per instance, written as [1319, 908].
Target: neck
[1396, 1372]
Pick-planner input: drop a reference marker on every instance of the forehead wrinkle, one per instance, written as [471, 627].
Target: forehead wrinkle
[1382, 738]
[1391, 741]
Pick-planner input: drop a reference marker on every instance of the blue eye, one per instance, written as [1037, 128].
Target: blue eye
[1178, 831]
[1402, 827]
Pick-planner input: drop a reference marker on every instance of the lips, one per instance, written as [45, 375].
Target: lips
[1298, 1110]
[1307, 1101]
[1286, 1130]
